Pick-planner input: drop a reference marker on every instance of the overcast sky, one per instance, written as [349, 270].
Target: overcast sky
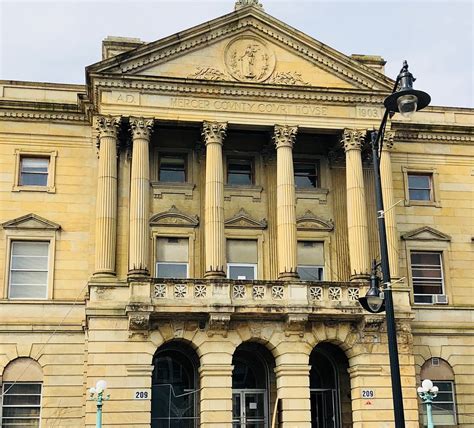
[52, 41]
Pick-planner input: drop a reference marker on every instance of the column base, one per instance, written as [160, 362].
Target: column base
[360, 277]
[218, 274]
[105, 274]
[138, 274]
[288, 276]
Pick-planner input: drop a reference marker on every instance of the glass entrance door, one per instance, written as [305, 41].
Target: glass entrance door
[249, 408]
[324, 412]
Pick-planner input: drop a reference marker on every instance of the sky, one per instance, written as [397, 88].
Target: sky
[53, 41]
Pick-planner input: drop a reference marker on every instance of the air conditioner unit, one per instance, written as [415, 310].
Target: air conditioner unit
[440, 299]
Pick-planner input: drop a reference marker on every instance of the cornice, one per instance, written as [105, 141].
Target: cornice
[29, 110]
[178, 86]
[435, 137]
[42, 116]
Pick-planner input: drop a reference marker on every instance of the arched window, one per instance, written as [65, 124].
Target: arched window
[175, 387]
[253, 386]
[329, 388]
[21, 393]
[444, 405]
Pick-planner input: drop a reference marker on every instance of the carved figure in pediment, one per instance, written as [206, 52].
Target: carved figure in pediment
[249, 59]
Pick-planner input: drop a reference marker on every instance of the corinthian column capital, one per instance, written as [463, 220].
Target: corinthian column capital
[107, 126]
[388, 140]
[213, 132]
[284, 135]
[141, 127]
[352, 139]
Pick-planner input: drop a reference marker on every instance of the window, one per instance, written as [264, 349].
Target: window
[420, 187]
[240, 172]
[33, 171]
[172, 168]
[306, 174]
[310, 256]
[427, 276]
[29, 270]
[172, 257]
[242, 259]
[444, 405]
[21, 391]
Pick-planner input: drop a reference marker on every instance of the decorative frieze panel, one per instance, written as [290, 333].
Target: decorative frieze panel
[310, 221]
[174, 217]
[243, 220]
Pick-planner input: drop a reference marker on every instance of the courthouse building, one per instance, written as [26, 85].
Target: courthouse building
[195, 224]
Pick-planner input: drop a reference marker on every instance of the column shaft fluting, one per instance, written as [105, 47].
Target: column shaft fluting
[213, 134]
[139, 196]
[106, 212]
[388, 202]
[284, 137]
[358, 235]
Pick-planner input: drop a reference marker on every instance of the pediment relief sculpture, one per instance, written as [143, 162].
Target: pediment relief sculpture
[425, 233]
[174, 217]
[243, 220]
[31, 221]
[310, 221]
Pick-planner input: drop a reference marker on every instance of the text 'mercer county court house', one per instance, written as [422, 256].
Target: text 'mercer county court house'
[195, 224]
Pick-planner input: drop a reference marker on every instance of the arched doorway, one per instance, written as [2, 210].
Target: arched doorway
[330, 388]
[253, 386]
[174, 402]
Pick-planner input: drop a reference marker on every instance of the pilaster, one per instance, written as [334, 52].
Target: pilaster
[388, 202]
[139, 196]
[356, 205]
[213, 134]
[106, 214]
[284, 137]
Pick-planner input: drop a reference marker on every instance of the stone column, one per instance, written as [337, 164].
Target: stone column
[284, 137]
[388, 203]
[356, 205]
[139, 197]
[106, 214]
[213, 134]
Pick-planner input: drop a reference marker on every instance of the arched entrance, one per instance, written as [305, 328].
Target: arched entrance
[330, 388]
[253, 386]
[174, 398]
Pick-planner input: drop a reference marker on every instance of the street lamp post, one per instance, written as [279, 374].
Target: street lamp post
[99, 389]
[404, 100]
[427, 392]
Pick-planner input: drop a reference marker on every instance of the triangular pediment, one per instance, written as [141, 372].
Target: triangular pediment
[426, 233]
[174, 217]
[243, 220]
[310, 221]
[31, 221]
[246, 46]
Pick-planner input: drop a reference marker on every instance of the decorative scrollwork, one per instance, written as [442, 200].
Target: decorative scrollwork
[277, 292]
[353, 139]
[284, 135]
[238, 291]
[180, 291]
[288, 78]
[208, 73]
[258, 292]
[141, 128]
[159, 291]
[335, 293]
[213, 132]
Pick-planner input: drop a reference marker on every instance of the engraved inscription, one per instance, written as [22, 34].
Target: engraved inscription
[369, 112]
[125, 98]
[249, 107]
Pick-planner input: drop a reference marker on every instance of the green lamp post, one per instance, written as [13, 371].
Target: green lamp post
[97, 394]
[428, 392]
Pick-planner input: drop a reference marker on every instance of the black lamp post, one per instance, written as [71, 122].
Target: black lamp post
[405, 100]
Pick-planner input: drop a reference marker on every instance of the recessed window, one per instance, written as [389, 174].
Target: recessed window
[21, 404]
[172, 168]
[420, 187]
[310, 255]
[444, 409]
[240, 172]
[29, 270]
[427, 277]
[172, 257]
[34, 171]
[242, 259]
[306, 174]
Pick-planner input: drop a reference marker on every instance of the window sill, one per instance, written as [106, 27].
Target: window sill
[254, 192]
[162, 188]
[435, 204]
[45, 189]
[319, 194]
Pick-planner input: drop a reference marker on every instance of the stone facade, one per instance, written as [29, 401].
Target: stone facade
[244, 89]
